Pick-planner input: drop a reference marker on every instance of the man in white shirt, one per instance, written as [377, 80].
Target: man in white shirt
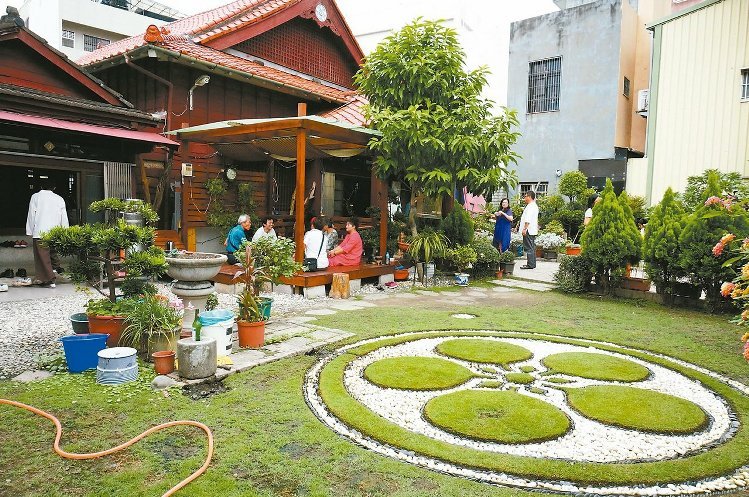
[315, 243]
[529, 228]
[46, 211]
[265, 230]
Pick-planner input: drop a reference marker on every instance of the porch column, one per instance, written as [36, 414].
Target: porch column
[384, 216]
[301, 139]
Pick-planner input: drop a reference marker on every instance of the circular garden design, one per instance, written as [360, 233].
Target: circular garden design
[538, 411]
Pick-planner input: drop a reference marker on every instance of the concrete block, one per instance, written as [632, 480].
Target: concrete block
[283, 289]
[313, 292]
[354, 285]
[386, 278]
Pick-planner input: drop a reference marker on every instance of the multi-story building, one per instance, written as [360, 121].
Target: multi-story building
[698, 116]
[575, 77]
[76, 27]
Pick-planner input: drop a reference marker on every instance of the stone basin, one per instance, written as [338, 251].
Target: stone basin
[195, 266]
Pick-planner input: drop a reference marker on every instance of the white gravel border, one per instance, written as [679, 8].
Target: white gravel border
[404, 409]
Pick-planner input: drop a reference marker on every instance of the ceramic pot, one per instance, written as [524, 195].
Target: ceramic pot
[251, 334]
[112, 325]
[163, 361]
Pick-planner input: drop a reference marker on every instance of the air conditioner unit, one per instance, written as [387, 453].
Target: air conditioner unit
[643, 97]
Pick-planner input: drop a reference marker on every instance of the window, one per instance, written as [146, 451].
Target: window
[625, 88]
[745, 84]
[544, 80]
[540, 187]
[91, 43]
[68, 38]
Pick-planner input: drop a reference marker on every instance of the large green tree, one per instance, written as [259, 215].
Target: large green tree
[727, 183]
[438, 133]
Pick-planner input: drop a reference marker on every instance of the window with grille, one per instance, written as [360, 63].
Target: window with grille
[745, 84]
[625, 87]
[68, 38]
[544, 81]
[91, 43]
[540, 187]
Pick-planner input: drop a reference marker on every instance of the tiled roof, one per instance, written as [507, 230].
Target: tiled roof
[185, 37]
[351, 112]
[199, 27]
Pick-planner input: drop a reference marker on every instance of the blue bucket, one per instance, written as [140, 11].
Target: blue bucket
[81, 350]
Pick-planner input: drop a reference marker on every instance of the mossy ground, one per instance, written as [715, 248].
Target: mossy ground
[417, 373]
[595, 366]
[484, 351]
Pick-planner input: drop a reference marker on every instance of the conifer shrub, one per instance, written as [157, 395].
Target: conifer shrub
[703, 227]
[458, 226]
[661, 246]
[609, 241]
[632, 232]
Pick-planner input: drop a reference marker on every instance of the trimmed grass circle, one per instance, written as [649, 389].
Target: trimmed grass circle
[519, 378]
[504, 417]
[417, 373]
[595, 366]
[484, 351]
[637, 409]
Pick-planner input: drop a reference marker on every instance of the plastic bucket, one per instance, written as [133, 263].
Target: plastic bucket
[222, 333]
[81, 350]
[264, 303]
[79, 320]
[117, 365]
[215, 316]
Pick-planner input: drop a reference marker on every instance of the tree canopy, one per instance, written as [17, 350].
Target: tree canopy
[438, 133]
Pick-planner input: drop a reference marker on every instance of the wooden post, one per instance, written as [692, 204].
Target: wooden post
[301, 142]
[340, 289]
[384, 217]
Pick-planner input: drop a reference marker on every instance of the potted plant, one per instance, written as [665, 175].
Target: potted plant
[153, 324]
[572, 248]
[425, 246]
[460, 259]
[516, 243]
[106, 316]
[250, 319]
[550, 244]
[507, 262]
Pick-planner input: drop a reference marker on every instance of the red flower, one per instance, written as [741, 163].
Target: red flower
[718, 249]
[726, 288]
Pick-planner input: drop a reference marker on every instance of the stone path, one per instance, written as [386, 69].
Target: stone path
[540, 279]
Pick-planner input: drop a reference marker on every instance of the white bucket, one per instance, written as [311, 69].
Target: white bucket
[222, 332]
[117, 365]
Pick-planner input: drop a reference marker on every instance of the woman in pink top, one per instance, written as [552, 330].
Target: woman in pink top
[349, 252]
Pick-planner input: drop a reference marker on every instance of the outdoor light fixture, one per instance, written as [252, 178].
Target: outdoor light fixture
[201, 81]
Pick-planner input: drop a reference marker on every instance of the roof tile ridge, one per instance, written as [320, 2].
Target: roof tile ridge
[223, 24]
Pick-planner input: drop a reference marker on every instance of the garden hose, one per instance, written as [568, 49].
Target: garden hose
[94, 455]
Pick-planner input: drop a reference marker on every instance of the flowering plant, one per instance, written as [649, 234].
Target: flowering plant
[550, 241]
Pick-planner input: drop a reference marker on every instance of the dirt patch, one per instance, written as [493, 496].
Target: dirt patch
[204, 390]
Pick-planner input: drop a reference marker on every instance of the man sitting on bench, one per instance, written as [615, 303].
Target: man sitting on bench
[349, 252]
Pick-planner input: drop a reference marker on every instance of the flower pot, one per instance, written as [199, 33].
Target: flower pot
[539, 252]
[404, 246]
[163, 361]
[507, 267]
[196, 360]
[79, 321]
[195, 266]
[638, 284]
[162, 342]
[573, 250]
[265, 303]
[550, 254]
[111, 325]
[251, 334]
[519, 251]
[500, 274]
[81, 350]
[400, 274]
[461, 279]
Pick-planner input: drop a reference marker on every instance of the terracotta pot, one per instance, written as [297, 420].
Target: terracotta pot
[404, 246]
[573, 250]
[111, 325]
[251, 334]
[500, 273]
[163, 361]
[539, 252]
[400, 274]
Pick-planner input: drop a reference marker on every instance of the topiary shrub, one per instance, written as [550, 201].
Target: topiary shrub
[703, 227]
[574, 273]
[573, 184]
[549, 207]
[631, 232]
[608, 240]
[661, 246]
[458, 226]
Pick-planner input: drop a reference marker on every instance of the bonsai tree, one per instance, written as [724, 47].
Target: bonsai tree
[661, 246]
[572, 185]
[608, 240]
[703, 227]
[113, 206]
[437, 132]
[101, 245]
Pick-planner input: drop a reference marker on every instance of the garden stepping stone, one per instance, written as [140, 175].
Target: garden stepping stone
[427, 293]
[29, 376]
[321, 312]
[526, 285]
[376, 296]
[301, 319]
[503, 289]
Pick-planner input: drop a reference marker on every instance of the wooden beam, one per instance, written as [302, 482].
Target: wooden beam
[301, 150]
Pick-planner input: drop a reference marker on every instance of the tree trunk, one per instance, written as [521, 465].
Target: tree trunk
[412, 215]
[448, 203]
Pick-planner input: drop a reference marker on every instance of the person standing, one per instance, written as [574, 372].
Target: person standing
[266, 230]
[529, 228]
[349, 252]
[314, 244]
[236, 236]
[503, 225]
[46, 211]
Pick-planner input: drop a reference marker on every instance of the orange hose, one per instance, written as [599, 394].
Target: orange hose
[94, 455]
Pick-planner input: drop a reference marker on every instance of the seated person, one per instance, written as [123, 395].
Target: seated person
[314, 244]
[236, 236]
[265, 230]
[330, 234]
[349, 252]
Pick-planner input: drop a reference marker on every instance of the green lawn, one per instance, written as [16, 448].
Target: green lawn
[268, 442]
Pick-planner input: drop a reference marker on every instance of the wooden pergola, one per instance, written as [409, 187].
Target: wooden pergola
[299, 138]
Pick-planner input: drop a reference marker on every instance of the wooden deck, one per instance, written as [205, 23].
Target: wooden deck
[227, 274]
